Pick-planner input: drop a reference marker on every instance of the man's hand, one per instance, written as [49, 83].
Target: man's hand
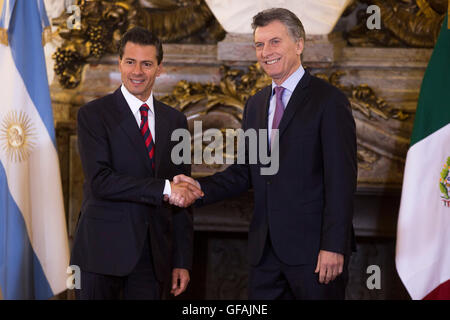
[183, 178]
[180, 280]
[183, 194]
[329, 265]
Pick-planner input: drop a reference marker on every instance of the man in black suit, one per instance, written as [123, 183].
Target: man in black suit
[301, 233]
[128, 240]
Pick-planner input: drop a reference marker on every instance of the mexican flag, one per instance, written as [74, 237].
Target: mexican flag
[423, 232]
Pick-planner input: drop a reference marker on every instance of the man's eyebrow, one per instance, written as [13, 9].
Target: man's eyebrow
[143, 61]
[274, 38]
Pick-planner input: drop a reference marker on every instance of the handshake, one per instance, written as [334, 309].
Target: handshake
[184, 191]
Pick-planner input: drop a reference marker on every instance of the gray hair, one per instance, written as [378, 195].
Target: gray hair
[286, 17]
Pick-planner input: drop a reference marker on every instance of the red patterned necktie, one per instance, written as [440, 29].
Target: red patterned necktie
[145, 131]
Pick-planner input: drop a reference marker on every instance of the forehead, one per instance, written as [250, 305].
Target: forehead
[139, 52]
[272, 30]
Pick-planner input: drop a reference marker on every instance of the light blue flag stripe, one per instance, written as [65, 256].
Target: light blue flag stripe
[29, 58]
[21, 274]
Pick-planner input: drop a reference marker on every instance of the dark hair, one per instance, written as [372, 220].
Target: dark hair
[286, 17]
[144, 37]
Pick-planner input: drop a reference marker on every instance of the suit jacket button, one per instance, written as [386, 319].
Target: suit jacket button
[269, 182]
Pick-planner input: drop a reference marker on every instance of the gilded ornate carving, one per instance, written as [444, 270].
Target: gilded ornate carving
[231, 93]
[176, 20]
[218, 105]
[406, 23]
[364, 99]
[376, 120]
[103, 22]
[236, 86]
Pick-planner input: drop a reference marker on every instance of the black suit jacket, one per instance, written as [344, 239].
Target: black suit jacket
[308, 205]
[123, 196]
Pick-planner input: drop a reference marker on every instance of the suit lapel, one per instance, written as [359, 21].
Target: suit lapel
[161, 133]
[128, 123]
[266, 103]
[295, 102]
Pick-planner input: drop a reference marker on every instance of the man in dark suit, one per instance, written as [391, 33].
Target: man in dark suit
[301, 233]
[128, 239]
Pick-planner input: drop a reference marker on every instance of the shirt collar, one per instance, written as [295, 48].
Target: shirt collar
[291, 82]
[135, 103]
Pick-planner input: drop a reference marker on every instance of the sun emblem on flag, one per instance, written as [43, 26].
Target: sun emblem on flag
[444, 181]
[16, 135]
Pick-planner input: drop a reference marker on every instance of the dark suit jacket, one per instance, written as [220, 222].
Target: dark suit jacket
[308, 205]
[123, 197]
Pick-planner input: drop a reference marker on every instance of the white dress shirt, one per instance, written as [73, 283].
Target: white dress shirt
[134, 104]
[289, 86]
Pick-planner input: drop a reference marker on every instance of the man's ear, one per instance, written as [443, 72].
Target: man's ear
[159, 69]
[300, 46]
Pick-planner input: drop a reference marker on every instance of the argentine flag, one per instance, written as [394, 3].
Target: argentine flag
[34, 253]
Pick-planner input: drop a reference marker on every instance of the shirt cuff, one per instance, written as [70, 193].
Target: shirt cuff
[167, 189]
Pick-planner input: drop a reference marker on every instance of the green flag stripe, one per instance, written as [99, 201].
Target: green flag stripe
[433, 107]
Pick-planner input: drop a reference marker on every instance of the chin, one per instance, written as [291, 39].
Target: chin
[270, 71]
[273, 75]
[267, 70]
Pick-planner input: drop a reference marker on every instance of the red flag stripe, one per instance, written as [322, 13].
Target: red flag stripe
[441, 292]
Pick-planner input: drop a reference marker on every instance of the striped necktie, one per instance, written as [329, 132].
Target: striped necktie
[145, 131]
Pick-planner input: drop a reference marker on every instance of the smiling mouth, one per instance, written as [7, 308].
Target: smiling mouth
[269, 62]
[137, 81]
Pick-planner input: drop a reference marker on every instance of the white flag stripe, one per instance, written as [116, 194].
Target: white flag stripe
[424, 221]
[7, 13]
[33, 184]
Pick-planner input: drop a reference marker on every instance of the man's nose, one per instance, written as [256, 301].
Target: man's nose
[266, 51]
[137, 69]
